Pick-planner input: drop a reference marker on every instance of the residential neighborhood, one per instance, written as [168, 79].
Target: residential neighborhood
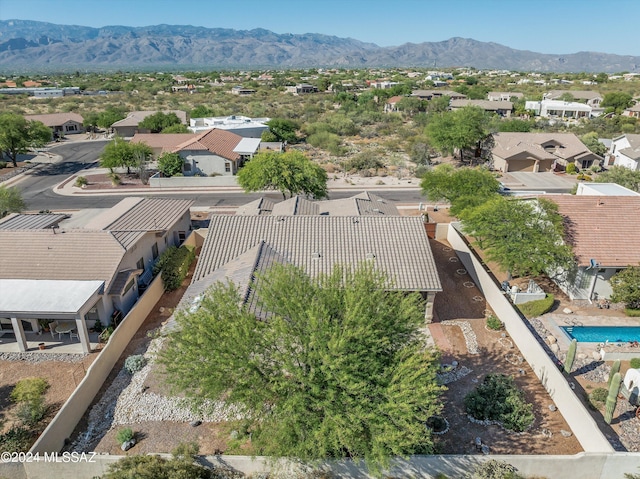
[276, 245]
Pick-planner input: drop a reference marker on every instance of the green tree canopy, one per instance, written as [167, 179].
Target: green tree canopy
[590, 140]
[157, 467]
[523, 237]
[17, 135]
[283, 129]
[461, 129]
[179, 128]
[622, 176]
[122, 154]
[462, 187]
[10, 201]
[338, 368]
[626, 287]
[290, 173]
[109, 117]
[202, 111]
[617, 101]
[159, 121]
[170, 164]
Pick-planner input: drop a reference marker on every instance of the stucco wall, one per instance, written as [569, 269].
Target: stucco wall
[582, 466]
[192, 181]
[580, 421]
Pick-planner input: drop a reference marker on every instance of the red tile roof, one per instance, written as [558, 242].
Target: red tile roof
[604, 228]
[218, 142]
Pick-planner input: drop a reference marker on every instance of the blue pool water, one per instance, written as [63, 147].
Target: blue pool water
[601, 334]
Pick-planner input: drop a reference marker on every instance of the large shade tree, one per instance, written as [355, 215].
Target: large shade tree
[461, 130]
[290, 173]
[523, 237]
[462, 187]
[18, 135]
[159, 121]
[123, 154]
[621, 176]
[338, 368]
[626, 287]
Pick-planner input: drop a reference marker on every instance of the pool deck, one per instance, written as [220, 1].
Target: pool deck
[623, 351]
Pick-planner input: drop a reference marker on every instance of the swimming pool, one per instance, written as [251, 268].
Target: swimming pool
[602, 334]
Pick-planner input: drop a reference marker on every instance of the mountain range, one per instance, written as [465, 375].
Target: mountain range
[32, 46]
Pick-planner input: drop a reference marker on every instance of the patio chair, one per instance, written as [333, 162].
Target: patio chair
[52, 328]
[74, 334]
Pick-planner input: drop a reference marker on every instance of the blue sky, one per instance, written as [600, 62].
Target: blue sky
[545, 26]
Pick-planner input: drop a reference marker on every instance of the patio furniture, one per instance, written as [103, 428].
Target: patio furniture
[65, 327]
[52, 328]
[74, 334]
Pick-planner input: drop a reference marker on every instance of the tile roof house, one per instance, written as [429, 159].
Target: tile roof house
[212, 151]
[633, 111]
[397, 245]
[625, 151]
[390, 105]
[503, 95]
[99, 267]
[127, 127]
[362, 204]
[431, 94]
[216, 152]
[60, 123]
[603, 231]
[539, 152]
[499, 107]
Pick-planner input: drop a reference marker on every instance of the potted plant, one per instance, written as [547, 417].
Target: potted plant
[44, 324]
[42, 346]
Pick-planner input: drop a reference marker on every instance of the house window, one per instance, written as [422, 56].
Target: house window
[187, 167]
[227, 167]
[140, 264]
[182, 235]
[128, 286]
[154, 250]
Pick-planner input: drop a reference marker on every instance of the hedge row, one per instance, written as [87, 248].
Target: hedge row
[532, 309]
[174, 264]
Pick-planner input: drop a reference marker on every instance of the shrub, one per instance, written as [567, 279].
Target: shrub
[634, 313]
[174, 264]
[494, 323]
[364, 161]
[29, 390]
[635, 363]
[81, 181]
[571, 169]
[16, 439]
[31, 413]
[3, 164]
[493, 469]
[538, 307]
[125, 435]
[499, 399]
[170, 164]
[422, 170]
[134, 363]
[584, 177]
[597, 397]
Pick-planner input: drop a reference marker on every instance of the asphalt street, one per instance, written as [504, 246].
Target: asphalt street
[37, 185]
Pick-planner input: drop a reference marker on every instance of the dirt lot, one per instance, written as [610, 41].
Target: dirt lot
[63, 377]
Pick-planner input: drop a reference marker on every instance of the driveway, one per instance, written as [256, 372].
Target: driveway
[544, 181]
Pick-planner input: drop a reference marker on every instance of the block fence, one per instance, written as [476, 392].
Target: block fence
[582, 466]
[580, 421]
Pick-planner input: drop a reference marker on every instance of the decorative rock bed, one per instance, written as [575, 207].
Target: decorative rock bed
[469, 336]
[447, 377]
[41, 357]
[127, 402]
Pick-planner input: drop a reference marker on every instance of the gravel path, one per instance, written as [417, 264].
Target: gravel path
[126, 402]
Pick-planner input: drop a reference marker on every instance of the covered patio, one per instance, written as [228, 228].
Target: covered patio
[64, 301]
